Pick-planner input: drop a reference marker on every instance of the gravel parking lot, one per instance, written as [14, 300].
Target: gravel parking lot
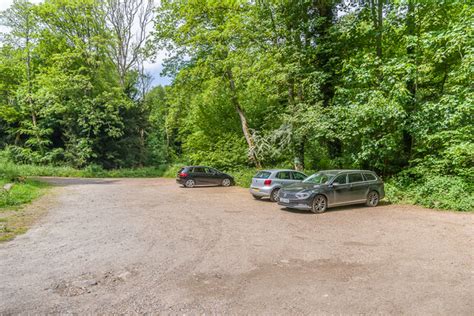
[147, 245]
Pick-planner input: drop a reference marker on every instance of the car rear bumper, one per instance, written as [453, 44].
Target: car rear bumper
[262, 192]
[382, 193]
[180, 180]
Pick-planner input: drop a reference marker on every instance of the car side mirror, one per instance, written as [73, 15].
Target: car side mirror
[335, 184]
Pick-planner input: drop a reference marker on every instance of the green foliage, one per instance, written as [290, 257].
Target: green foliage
[243, 176]
[227, 152]
[440, 192]
[63, 99]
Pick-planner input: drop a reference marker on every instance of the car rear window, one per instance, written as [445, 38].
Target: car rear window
[262, 175]
[284, 175]
[369, 177]
[299, 176]
[355, 177]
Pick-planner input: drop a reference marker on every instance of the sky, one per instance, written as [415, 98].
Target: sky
[153, 69]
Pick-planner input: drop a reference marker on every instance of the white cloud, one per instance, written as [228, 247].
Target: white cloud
[154, 69]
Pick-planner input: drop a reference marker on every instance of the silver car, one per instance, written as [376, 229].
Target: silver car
[267, 183]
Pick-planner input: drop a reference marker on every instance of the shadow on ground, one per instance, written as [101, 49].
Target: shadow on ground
[74, 181]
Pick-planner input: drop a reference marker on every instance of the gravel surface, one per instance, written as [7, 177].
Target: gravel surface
[148, 245]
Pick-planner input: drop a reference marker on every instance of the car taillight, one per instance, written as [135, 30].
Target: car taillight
[183, 174]
[267, 182]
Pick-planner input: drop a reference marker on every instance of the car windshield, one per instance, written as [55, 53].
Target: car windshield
[319, 178]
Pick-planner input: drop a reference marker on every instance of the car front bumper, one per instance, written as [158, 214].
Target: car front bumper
[304, 204]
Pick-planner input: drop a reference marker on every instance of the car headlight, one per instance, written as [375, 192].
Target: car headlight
[302, 195]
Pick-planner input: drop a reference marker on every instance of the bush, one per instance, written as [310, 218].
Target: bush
[243, 176]
[173, 169]
[434, 191]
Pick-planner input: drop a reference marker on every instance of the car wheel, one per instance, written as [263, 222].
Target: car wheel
[189, 183]
[275, 195]
[320, 204]
[226, 182]
[372, 199]
[257, 197]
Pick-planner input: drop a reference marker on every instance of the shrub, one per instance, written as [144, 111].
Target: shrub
[243, 176]
[434, 191]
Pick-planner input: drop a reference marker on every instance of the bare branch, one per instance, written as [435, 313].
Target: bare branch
[128, 20]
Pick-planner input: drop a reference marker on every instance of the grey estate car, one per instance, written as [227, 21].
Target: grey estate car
[267, 183]
[330, 188]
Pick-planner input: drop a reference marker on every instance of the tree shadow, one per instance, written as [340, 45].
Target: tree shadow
[202, 187]
[346, 208]
[296, 211]
[62, 182]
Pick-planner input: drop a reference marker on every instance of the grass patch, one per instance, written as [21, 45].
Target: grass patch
[14, 219]
[21, 193]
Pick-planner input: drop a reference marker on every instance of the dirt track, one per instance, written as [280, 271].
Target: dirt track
[147, 245]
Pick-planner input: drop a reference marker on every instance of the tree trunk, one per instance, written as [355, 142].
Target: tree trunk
[376, 7]
[28, 79]
[411, 83]
[243, 121]
[379, 28]
[323, 59]
[142, 147]
[17, 138]
[299, 159]
[34, 118]
[298, 144]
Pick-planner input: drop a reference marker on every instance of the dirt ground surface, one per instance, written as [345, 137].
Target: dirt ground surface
[148, 245]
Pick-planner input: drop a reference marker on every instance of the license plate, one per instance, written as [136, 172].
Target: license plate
[284, 200]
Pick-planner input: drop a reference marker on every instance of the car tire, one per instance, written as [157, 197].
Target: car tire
[189, 183]
[320, 204]
[226, 182]
[275, 195]
[372, 199]
[257, 197]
